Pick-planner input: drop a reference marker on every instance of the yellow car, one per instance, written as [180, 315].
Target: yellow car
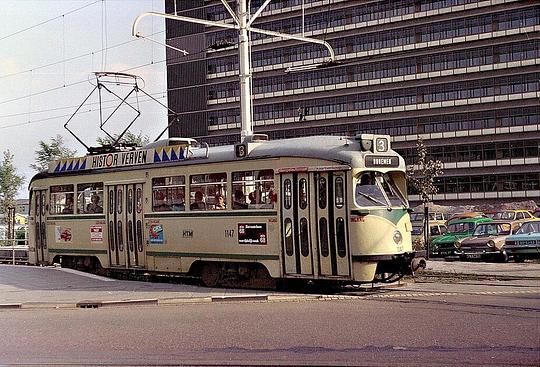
[513, 215]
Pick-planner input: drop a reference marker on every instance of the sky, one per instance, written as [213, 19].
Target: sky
[49, 50]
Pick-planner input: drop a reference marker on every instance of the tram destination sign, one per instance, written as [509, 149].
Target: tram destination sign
[382, 161]
[120, 159]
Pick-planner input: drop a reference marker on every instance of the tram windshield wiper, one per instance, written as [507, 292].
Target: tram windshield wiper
[372, 198]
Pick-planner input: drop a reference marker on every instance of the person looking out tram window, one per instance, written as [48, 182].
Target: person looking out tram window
[239, 201]
[220, 202]
[199, 203]
[68, 208]
[160, 205]
[93, 206]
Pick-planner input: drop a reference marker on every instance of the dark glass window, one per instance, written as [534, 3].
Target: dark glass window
[289, 245]
[341, 239]
[304, 237]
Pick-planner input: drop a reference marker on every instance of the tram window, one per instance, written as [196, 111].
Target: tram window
[339, 192]
[43, 206]
[62, 199]
[139, 200]
[304, 237]
[287, 193]
[205, 191]
[289, 248]
[340, 233]
[37, 208]
[254, 189]
[119, 199]
[111, 201]
[323, 237]
[303, 194]
[377, 189]
[168, 193]
[322, 193]
[89, 198]
[129, 203]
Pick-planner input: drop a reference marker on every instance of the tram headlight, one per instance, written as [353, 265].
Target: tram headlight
[398, 238]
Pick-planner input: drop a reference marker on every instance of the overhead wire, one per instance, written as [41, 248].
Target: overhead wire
[73, 57]
[68, 115]
[47, 21]
[69, 107]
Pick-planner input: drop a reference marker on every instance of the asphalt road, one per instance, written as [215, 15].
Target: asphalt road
[402, 330]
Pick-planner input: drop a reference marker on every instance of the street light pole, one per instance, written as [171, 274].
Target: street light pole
[245, 72]
[242, 21]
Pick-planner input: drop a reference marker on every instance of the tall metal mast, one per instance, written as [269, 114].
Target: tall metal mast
[242, 22]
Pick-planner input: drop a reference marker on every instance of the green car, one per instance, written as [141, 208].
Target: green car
[443, 246]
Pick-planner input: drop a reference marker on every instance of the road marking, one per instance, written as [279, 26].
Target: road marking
[87, 275]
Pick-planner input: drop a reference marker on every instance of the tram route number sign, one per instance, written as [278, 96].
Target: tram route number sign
[252, 234]
[382, 161]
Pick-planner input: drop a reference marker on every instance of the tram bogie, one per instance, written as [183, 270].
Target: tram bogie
[320, 208]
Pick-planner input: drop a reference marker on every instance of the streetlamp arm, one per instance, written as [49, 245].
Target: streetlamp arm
[297, 38]
[182, 18]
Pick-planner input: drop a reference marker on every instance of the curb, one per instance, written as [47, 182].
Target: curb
[239, 298]
[10, 306]
[132, 302]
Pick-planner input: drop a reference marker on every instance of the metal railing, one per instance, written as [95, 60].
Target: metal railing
[14, 248]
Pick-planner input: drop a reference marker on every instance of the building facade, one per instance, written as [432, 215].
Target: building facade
[463, 75]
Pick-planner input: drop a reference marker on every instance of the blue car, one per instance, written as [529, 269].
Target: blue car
[525, 243]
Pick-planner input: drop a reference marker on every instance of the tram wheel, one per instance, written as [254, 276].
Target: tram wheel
[210, 274]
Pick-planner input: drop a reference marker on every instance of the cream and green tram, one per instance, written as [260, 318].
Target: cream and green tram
[315, 208]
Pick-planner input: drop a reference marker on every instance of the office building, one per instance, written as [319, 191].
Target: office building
[461, 74]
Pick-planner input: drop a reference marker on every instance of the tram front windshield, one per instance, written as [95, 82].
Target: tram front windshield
[378, 189]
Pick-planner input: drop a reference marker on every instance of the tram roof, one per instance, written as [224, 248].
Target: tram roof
[339, 149]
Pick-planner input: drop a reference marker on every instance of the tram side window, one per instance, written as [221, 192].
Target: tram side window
[61, 200]
[90, 198]
[208, 191]
[168, 193]
[254, 189]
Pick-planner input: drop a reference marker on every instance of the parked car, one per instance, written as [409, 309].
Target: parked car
[437, 228]
[513, 215]
[525, 243]
[418, 218]
[487, 241]
[457, 230]
[460, 216]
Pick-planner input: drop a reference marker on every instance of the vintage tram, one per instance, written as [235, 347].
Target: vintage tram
[329, 208]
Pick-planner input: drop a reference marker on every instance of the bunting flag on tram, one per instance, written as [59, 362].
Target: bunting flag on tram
[120, 159]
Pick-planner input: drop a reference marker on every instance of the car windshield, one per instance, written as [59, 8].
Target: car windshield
[504, 215]
[378, 189]
[529, 227]
[492, 229]
[460, 227]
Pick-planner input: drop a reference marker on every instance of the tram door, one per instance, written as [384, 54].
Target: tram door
[331, 223]
[296, 233]
[124, 222]
[40, 229]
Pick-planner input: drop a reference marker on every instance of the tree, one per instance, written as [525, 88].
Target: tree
[129, 139]
[49, 152]
[421, 176]
[10, 182]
